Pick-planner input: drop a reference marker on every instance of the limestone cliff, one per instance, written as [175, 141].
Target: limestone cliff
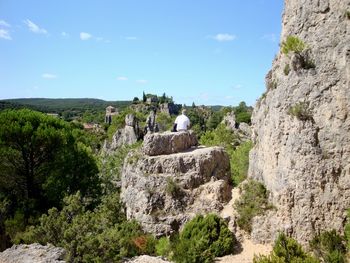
[165, 186]
[301, 125]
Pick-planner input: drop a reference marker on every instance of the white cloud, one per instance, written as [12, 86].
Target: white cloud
[4, 23]
[224, 37]
[142, 81]
[35, 28]
[122, 78]
[237, 86]
[64, 34]
[49, 76]
[4, 34]
[131, 38]
[270, 37]
[85, 36]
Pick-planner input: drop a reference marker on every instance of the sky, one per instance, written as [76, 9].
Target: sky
[211, 52]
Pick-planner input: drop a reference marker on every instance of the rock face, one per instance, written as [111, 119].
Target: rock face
[170, 108]
[162, 192]
[126, 136]
[33, 253]
[147, 259]
[301, 125]
[168, 142]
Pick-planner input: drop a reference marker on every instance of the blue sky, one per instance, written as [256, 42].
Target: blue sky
[204, 51]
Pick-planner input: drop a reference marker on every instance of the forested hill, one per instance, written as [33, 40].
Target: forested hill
[60, 105]
[67, 108]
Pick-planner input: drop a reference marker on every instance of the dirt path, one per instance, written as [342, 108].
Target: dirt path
[248, 248]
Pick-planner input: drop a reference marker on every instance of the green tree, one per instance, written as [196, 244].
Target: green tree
[202, 239]
[40, 162]
[144, 97]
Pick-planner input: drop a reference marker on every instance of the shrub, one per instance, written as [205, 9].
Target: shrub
[239, 160]
[253, 202]
[286, 69]
[347, 232]
[163, 247]
[301, 111]
[221, 136]
[286, 250]
[172, 188]
[329, 246]
[203, 239]
[293, 44]
[347, 14]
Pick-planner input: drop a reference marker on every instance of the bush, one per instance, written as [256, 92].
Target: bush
[239, 160]
[293, 44]
[329, 246]
[221, 136]
[301, 111]
[203, 239]
[172, 188]
[286, 69]
[163, 247]
[286, 250]
[253, 202]
[102, 235]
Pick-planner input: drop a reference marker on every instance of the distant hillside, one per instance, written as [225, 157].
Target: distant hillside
[68, 108]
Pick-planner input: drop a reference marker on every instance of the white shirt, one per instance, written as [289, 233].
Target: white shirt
[182, 122]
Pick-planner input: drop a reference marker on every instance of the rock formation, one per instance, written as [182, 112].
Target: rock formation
[125, 136]
[170, 108]
[164, 186]
[302, 125]
[33, 253]
[146, 259]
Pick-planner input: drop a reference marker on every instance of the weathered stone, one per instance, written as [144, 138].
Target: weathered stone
[170, 108]
[168, 142]
[130, 120]
[245, 129]
[33, 253]
[230, 120]
[147, 259]
[305, 162]
[163, 192]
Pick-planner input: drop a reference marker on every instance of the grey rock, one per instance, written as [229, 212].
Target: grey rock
[230, 120]
[147, 259]
[33, 253]
[168, 142]
[170, 108]
[306, 163]
[163, 192]
[245, 129]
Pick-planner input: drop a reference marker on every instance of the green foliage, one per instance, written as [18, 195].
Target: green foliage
[221, 136]
[101, 235]
[286, 69]
[239, 160]
[90, 110]
[165, 122]
[301, 111]
[243, 113]
[214, 120]
[293, 44]
[286, 250]
[172, 188]
[329, 246]
[202, 239]
[163, 247]
[347, 232]
[347, 14]
[110, 167]
[252, 202]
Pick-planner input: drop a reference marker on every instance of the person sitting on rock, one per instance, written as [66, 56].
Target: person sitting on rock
[182, 122]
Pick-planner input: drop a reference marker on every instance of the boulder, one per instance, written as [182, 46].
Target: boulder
[168, 142]
[33, 253]
[163, 192]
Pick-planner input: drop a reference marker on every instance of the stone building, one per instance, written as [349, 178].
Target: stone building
[110, 111]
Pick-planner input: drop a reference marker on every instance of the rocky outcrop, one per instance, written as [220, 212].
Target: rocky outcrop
[168, 142]
[33, 253]
[242, 130]
[301, 125]
[162, 192]
[170, 108]
[125, 136]
[147, 259]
